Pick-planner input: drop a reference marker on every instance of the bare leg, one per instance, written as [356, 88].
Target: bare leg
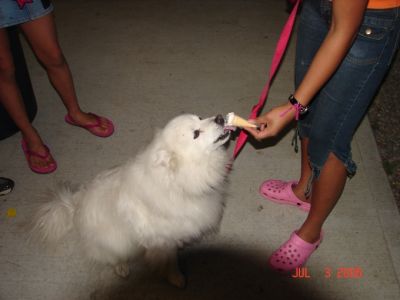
[327, 190]
[42, 36]
[166, 261]
[11, 99]
[300, 188]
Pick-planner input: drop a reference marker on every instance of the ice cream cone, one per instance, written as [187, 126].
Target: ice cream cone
[233, 120]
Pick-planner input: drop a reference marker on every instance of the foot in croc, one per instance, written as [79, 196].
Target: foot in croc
[281, 192]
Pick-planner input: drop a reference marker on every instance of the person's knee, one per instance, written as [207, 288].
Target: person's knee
[53, 59]
[7, 70]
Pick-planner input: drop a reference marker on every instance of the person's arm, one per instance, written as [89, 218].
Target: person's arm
[346, 19]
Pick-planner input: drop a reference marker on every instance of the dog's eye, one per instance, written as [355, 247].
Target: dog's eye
[200, 118]
[196, 134]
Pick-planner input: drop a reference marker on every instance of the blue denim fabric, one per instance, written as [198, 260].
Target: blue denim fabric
[339, 107]
[11, 14]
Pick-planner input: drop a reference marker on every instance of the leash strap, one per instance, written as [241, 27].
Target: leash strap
[276, 61]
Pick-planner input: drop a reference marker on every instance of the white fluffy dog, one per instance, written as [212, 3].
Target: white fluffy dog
[169, 195]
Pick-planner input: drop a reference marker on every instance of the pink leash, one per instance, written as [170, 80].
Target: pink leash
[21, 3]
[276, 61]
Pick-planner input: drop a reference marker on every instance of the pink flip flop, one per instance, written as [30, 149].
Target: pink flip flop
[292, 254]
[91, 127]
[41, 170]
[281, 192]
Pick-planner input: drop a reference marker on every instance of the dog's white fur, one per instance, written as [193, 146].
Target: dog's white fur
[169, 195]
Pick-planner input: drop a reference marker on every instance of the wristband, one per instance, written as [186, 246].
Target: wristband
[300, 108]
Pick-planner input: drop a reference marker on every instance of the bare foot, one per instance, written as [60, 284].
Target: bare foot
[85, 119]
[308, 234]
[43, 158]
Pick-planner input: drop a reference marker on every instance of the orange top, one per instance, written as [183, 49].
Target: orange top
[379, 4]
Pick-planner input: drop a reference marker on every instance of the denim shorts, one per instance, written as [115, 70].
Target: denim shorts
[338, 108]
[11, 14]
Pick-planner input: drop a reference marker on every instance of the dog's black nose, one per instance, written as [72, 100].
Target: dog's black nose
[219, 119]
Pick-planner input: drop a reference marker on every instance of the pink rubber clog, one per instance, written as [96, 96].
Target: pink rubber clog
[292, 254]
[281, 192]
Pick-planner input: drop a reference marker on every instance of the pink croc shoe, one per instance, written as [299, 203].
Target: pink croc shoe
[281, 192]
[91, 127]
[292, 254]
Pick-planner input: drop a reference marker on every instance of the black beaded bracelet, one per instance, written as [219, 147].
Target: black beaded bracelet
[302, 109]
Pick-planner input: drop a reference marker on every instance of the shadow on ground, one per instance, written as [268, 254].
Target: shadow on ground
[214, 274]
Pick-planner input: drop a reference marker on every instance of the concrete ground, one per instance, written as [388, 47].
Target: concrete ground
[142, 63]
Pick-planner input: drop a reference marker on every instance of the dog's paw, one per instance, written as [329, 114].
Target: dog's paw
[177, 279]
[122, 270]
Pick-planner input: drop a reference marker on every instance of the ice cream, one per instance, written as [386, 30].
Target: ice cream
[233, 120]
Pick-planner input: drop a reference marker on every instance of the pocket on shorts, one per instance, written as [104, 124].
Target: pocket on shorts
[370, 42]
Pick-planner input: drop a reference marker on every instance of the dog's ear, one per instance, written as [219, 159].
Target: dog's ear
[166, 158]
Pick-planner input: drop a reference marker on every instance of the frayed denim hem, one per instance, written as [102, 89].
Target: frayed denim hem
[348, 163]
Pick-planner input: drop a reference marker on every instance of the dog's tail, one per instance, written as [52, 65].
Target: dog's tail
[54, 219]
